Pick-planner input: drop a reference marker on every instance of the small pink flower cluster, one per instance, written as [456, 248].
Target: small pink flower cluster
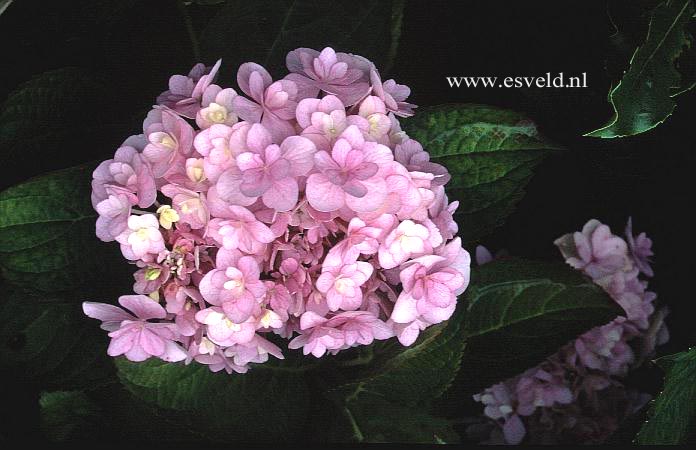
[576, 394]
[298, 209]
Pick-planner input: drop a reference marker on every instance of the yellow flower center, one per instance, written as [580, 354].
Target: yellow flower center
[167, 216]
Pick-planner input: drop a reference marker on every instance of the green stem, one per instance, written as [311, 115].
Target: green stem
[354, 425]
[195, 46]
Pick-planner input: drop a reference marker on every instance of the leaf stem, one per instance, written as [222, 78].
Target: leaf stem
[188, 23]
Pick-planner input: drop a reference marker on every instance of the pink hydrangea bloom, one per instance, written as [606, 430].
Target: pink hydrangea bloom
[217, 107]
[270, 171]
[240, 229]
[392, 94]
[141, 237]
[641, 249]
[406, 240]
[131, 334]
[341, 331]
[113, 216]
[349, 176]
[342, 285]
[428, 290]
[410, 153]
[594, 250]
[273, 104]
[338, 74]
[301, 210]
[577, 392]
[237, 289]
[185, 92]
[170, 140]
[128, 174]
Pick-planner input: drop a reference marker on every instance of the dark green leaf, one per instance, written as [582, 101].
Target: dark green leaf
[672, 416]
[47, 340]
[64, 111]
[265, 404]
[414, 375]
[686, 65]
[490, 153]
[69, 415]
[4, 4]
[373, 419]
[265, 31]
[642, 100]
[47, 237]
[519, 312]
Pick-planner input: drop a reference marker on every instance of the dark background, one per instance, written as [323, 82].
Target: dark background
[136, 46]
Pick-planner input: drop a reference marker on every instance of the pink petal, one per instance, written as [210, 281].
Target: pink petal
[299, 151]
[282, 195]
[323, 195]
[143, 306]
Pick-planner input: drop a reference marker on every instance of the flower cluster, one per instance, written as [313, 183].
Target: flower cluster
[576, 394]
[295, 207]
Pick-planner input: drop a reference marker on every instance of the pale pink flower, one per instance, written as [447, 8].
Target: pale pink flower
[604, 348]
[499, 403]
[641, 249]
[342, 285]
[142, 237]
[113, 216]
[323, 120]
[595, 250]
[191, 206]
[236, 289]
[342, 331]
[372, 120]
[406, 240]
[219, 146]
[224, 332]
[539, 388]
[339, 74]
[359, 239]
[170, 140]
[392, 94]
[216, 107]
[216, 359]
[349, 176]
[127, 174]
[185, 92]
[269, 171]
[239, 229]
[131, 334]
[150, 277]
[273, 104]
[410, 153]
[255, 351]
[429, 290]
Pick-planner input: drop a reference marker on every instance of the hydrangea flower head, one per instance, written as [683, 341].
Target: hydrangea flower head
[296, 207]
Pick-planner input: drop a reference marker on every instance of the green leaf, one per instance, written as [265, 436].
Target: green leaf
[642, 99]
[672, 416]
[265, 31]
[48, 341]
[686, 65]
[47, 237]
[4, 4]
[520, 312]
[64, 111]
[414, 375]
[491, 154]
[69, 415]
[265, 404]
[373, 419]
